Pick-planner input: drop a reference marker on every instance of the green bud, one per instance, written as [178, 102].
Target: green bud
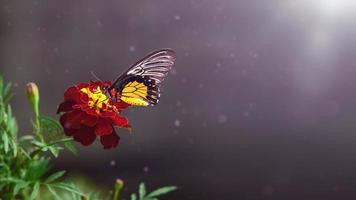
[33, 96]
[119, 184]
[85, 197]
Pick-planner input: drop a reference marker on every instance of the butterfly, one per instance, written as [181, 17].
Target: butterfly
[139, 85]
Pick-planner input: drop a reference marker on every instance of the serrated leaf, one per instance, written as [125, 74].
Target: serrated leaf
[161, 191]
[133, 197]
[55, 176]
[142, 191]
[35, 191]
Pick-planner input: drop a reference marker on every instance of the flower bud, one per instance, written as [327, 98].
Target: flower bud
[33, 96]
[85, 197]
[119, 184]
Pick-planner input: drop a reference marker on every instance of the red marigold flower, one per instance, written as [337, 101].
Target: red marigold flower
[87, 112]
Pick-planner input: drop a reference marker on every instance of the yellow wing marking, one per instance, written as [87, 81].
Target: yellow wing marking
[134, 101]
[129, 89]
[135, 93]
[134, 84]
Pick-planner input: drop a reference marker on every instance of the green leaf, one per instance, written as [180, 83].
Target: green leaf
[35, 191]
[36, 169]
[162, 191]
[51, 123]
[1, 83]
[6, 90]
[55, 150]
[5, 140]
[142, 191]
[39, 144]
[55, 176]
[11, 123]
[68, 187]
[8, 98]
[10, 180]
[53, 192]
[19, 186]
[26, 138]
[14, 147]
[70, 146]
[133, 197]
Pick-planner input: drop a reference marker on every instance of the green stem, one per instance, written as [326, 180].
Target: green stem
[116, 195]
[37, 125]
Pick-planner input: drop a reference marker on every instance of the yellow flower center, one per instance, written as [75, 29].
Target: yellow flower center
[96, 98]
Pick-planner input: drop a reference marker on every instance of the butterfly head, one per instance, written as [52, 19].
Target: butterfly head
[111, 93]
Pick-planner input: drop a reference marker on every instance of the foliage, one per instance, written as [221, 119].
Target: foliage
[25, 161]
[142, 195]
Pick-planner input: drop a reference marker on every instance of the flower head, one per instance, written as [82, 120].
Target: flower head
[88, 112]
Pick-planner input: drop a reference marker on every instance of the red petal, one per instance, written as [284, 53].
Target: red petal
[128, 126]
[119, 120]
[89, 111]
[84, 97]
[63, 120]
[108, 113]
[71, 93]
[89, 120]
[103, 127]
[93, 86]
[82, 85]
[65, 106]
[110, 141]
[70, 132]
[107, 83]
[85, 135]
[104, 106]
[121, 105]
[71, 120]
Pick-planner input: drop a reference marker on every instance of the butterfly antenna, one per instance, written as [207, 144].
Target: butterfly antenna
[96, 77]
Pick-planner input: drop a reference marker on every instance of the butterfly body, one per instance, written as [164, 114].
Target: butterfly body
[140, 84]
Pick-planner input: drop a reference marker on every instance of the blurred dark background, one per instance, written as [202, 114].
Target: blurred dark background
[261, 103]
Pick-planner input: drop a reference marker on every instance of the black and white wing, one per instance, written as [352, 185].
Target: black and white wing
[155, 65]
[139, 85]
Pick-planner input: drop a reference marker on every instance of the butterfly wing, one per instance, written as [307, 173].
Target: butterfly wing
[139, 85]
